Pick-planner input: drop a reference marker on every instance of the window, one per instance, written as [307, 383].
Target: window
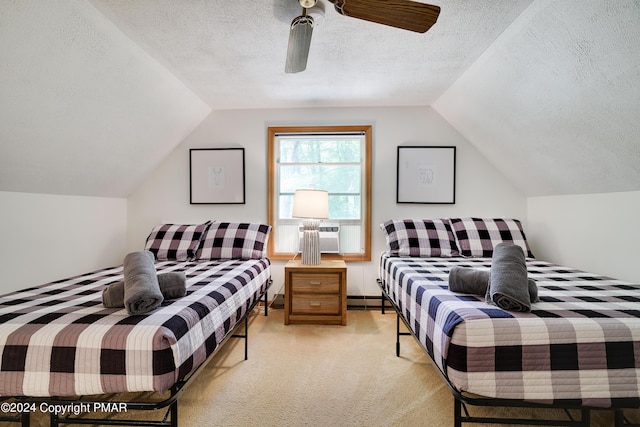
[332, 158]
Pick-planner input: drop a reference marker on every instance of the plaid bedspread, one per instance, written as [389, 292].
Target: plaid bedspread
[579, 345]
[59, 340]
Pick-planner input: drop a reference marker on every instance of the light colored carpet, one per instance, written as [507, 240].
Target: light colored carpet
[309, 375]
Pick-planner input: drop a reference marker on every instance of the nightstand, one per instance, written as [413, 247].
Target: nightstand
[315, 294]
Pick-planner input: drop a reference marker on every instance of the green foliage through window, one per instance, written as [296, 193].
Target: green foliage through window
[332, 164]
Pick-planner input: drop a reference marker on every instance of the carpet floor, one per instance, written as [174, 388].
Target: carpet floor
[311, 375]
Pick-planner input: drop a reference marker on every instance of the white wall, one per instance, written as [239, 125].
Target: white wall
[594, 232]
[47, 237]
[480, 189]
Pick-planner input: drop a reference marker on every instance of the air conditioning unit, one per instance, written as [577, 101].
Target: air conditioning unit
[329, 238]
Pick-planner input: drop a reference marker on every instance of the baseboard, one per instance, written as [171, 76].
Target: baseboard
[277, 301]
[354, 302]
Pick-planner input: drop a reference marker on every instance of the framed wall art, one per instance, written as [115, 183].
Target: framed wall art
[216, 176]
[426, 175]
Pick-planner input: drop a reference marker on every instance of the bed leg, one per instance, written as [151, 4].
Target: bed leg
[586, 417]
[246, 338]
[382, 299]
[397, 335]
[174, 414]
[266, 303]
[25, 419]
[457, 413]
[619, 417]
[173, 408]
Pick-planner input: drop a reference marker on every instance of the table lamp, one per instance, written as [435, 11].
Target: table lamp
[312, 205]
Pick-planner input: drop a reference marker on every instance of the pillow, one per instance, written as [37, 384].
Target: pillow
[477, 237]
[234, 240]
[420, 238]
[175, 242]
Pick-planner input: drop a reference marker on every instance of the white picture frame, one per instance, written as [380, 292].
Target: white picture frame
[426, 174]
[216, 176]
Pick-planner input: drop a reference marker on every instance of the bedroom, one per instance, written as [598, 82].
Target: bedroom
[96, 131]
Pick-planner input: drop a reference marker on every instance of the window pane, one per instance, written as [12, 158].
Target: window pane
[319, 150]
[285, 206]
[333, 178]
[344, 207]
[340, 207]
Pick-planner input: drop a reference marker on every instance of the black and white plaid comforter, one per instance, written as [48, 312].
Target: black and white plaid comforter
[59, 340]
[579, 345]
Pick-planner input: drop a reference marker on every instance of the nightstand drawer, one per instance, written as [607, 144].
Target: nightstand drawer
[315, 304]
[315, 294]
[327, 283]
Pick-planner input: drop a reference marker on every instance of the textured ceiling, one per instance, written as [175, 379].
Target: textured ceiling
[554, 103]
[95, 93]
[232, 53]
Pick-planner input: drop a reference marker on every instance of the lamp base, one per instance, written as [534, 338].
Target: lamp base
[311, 242]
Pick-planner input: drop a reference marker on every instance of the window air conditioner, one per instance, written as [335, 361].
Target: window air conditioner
[329, 238]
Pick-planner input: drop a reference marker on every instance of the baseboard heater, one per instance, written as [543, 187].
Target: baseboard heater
[354, 302]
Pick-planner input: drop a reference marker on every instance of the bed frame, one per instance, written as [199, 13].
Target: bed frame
[113, 405]
[461, 412]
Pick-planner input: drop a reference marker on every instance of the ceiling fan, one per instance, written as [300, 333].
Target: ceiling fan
[405, 14]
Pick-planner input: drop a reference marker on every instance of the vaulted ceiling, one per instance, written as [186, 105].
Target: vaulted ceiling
[94, 93]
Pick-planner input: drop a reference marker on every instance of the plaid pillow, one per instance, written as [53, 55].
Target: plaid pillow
[478, 236]
[420, 238]
[175, 242]
[235, 240]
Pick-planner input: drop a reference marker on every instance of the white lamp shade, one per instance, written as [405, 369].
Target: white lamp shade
[311, 204]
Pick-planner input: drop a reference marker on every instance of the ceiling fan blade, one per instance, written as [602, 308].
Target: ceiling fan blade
[405, 14]
[299, 42]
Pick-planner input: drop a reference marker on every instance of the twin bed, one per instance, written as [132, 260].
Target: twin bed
[578, 347]
[59, 345]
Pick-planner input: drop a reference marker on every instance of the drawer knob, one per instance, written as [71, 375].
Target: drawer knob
[315, 282]
[315, 304]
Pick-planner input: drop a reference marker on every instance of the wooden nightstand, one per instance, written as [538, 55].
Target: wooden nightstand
[315, 293]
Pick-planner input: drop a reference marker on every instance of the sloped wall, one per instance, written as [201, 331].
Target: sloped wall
[553, 102]
[84, 110]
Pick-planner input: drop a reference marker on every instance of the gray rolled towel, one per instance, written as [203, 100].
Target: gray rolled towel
[141, 288]
[172, 285]
[467, 280]
[508, 282]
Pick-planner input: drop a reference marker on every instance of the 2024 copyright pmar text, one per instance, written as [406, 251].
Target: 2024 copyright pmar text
[76, 408]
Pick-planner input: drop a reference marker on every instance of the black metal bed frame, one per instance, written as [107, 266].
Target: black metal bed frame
[461, 400]
[170, 418]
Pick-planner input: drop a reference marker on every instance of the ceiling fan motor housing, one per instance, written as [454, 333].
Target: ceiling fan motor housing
[307, 3]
